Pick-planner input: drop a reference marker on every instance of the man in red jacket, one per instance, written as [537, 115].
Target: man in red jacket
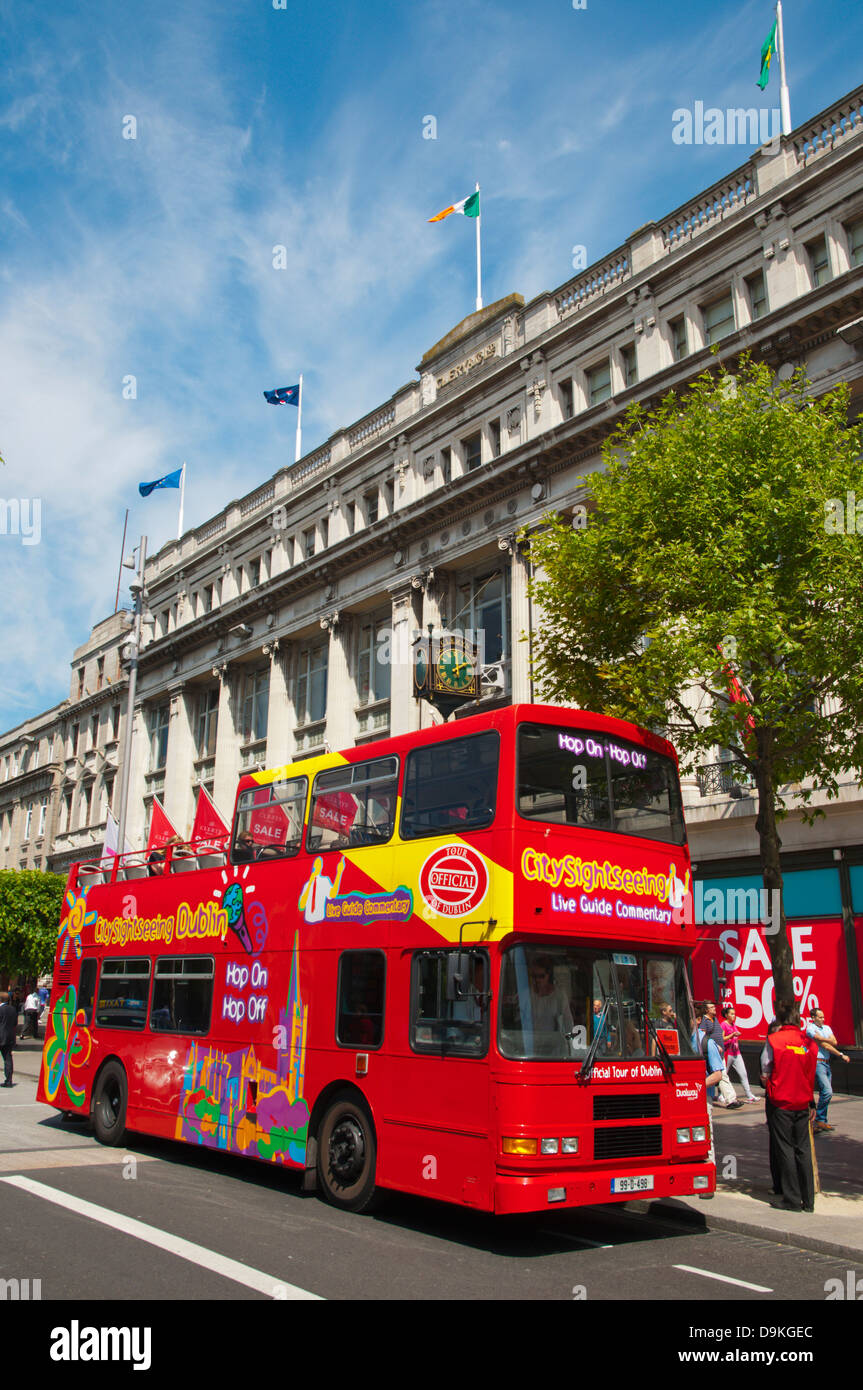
[788, 1073]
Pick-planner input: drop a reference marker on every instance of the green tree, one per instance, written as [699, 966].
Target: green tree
[30, 904]
[718, 547]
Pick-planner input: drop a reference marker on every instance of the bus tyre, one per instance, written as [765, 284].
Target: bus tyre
[109, 1104]
[347, 1155]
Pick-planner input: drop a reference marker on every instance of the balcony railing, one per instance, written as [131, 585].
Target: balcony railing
[723, 779]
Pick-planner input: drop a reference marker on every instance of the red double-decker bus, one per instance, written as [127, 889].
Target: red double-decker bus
[452, 963]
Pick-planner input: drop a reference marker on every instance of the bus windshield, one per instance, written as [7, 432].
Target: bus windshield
[555, 998]
[582, 777]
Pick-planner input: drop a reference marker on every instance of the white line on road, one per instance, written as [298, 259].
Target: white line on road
[726, 1279]
[175, 1245]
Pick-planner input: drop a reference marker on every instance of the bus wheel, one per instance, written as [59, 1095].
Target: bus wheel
[109, 1104]
[347, 1154]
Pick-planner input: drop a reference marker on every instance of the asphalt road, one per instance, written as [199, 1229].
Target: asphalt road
[165, 1222]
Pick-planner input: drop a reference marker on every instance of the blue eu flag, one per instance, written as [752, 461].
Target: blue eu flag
[169, 480]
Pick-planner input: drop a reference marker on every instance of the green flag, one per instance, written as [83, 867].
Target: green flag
[768, 48]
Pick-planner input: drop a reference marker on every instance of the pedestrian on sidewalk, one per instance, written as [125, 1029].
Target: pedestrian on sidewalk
[788, 1074]
[32, 1009]
[733, 1060]
[8, 1029]
[711, 1028]
[818, 1029]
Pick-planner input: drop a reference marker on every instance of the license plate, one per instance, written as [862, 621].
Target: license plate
[643, 1184]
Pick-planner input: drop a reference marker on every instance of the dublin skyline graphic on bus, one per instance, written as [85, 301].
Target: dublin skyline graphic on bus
[230, 1101]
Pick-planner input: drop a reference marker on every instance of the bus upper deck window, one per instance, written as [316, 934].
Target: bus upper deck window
[451, 786]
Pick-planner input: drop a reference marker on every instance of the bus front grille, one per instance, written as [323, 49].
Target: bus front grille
[616, 1107]
[628, 1141]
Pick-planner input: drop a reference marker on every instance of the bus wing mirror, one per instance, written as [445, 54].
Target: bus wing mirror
[457, 975]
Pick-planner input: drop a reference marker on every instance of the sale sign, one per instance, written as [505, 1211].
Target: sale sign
[742, 957]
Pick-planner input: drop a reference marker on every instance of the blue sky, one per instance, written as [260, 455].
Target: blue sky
[303, 127]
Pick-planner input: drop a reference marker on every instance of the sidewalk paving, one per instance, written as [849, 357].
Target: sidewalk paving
[743, 1196]
[742, 1199]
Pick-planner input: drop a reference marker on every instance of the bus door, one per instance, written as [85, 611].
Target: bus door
[439, 1142]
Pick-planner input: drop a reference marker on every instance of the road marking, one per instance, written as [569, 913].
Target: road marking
[726, 1279]
[175, 1245]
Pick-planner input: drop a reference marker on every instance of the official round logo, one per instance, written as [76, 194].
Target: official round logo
[454, 881]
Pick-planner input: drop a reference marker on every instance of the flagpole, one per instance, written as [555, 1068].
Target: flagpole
[299, 445]
[182, 500]
[122, 558]
[478, 258]
[784, 95]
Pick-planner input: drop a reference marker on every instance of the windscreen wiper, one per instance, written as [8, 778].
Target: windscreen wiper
[587, 1065]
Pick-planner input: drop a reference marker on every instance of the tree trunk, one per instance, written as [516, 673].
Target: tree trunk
[776, 930]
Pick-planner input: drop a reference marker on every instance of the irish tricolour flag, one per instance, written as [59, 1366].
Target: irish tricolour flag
[468, 207]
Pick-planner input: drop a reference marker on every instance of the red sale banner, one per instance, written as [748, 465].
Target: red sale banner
[742, 956]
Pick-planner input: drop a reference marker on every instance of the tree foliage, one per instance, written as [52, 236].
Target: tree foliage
[713, 555]
[30, 903]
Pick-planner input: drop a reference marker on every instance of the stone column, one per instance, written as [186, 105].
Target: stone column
[178, 797]
[341, 686]
[227, 740]
[404, 708]
[519, 652]
[280, 710]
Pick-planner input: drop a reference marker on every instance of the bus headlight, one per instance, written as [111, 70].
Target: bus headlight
[569, 1146]
[549, 1146]
[683, 1136]
[699, 1135]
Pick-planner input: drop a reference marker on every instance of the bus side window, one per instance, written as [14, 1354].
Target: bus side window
[87, 988]
[360, 1006]
[450, 786]
[182, 994]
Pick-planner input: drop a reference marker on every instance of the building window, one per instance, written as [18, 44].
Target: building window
[446, 465]
[256, 699]
[254, 573]
[43, 815]
[483, 608]
[819, 261]
[108, 794]
[309, 540]
[564, 391]
[494, 438]
[352, 518]
[94, 730]
[115, 722]
[76, 729]
[855, 242]
[67, 812]
[599, 383]
[28, 820]
[472, 447]
[160, 721]
[756, 289]
[629, 364]
[390, 489]
[207, 722]
[311, 693]
[100, 673]
[80, 682]
[87, 804]
[718, 318]
[372, 507]
[679, 344]
[373, 672]
[325, 532]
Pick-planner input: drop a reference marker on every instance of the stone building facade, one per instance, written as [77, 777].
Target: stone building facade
[284, 624]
